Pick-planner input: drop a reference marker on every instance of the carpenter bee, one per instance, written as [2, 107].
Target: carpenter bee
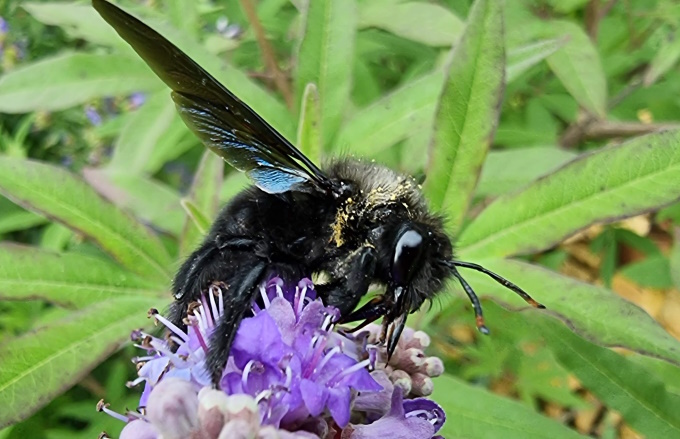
[358, 222]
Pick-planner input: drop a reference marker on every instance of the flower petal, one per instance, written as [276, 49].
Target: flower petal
[173, 408]
[139, 429]
[314, 396]
[338, 405]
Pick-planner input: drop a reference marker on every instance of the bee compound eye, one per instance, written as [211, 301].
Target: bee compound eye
[407, 255]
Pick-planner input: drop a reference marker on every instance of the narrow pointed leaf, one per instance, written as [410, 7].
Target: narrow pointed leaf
[204, 200]
[67, 279]
[666, 57]
[578, 66]
[74, 78]
[64, 197]
[309, 134]
[149, 200]
[44, 363]
[409, 19]
[507, 170]
[594, 312]
[612, 183]
[521, 59]
[474, 412]
[468, 112]
[325, 50]
[620, 384]
[134, 148]
[77, 20]
[407, 110]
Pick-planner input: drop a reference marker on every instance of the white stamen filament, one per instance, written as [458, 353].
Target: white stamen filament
[326, 359]
[246, 371]
[211, 292]
[350, 370]
[265, 297]
[202, 323]
[289, 377]
[162, 348]
[115, 414]
[300, 300]
[279, 291]
[220, 302]
[171, 326]
[326, 322]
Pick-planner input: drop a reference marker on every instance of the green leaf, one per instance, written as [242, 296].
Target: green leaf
[468, 113]
[309, 136]
[675, 258]
[15, 218]
[74, 78]
[473, 412]
[183, 14]
[521, 59]
[325, 50]
[79, 21]
[409, 19]
[407, 110]
[66, 279]
[666, 57]
[578, 66]
[620, 384]
[147, 199]
[134, 147]
[612, 183]
[42, 364]
[62, 196]
[507, 170]
[652, 271]
[203, 200]
[594, 312]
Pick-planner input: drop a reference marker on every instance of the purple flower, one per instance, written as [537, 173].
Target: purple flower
[136, 100]
[288, 375]
[93, 115]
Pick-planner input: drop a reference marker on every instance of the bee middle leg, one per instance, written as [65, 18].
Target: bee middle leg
[350, 280]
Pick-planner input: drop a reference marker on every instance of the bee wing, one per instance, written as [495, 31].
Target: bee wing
[222, 121]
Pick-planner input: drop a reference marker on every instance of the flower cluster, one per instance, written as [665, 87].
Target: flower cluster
[288, 375]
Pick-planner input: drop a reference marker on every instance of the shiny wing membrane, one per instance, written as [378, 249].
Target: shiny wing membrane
[222, 121]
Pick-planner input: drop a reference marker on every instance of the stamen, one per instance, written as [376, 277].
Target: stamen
[201, 341]
[202, 324]
[300, 299]
[135, 382]
[103, 407]
[326, 322]
[326, 359]
[289, 377]
[206, 314]
[136, 360]
[246, 372]
[350, 370]
[162, 348]
[213, 306]
[265, 394]
[171, 326]
[220, 302]
[265, 297]
[279, 291]
[177, 340]
[318, 351]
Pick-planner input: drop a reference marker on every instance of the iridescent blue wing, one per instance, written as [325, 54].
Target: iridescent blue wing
[222, 121]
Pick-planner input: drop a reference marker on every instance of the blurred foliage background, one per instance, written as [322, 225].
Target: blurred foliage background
[581, 74]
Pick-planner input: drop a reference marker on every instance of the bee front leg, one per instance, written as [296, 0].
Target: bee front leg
[236, 304]
[350, 280]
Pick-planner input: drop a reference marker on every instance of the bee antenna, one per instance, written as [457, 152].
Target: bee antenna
[476, 305]
[501, 280]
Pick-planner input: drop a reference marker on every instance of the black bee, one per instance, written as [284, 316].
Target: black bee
[358, 222]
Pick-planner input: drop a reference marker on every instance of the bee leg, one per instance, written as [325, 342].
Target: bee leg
[369, 313]
[239, 300]
[205, 265]
[351, 280]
